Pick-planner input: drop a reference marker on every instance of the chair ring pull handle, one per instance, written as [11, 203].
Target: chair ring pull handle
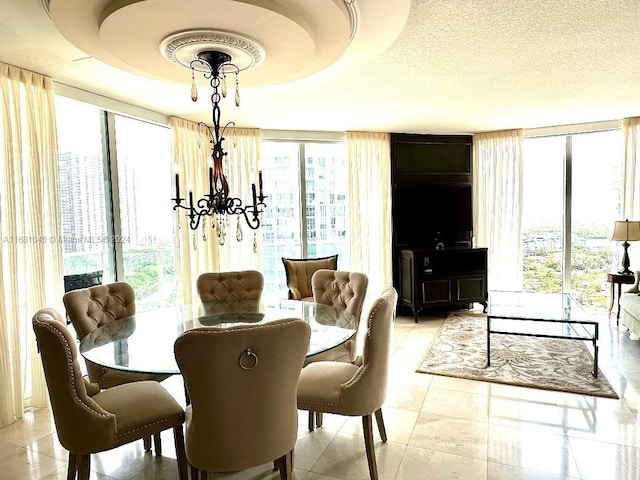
[248, 360]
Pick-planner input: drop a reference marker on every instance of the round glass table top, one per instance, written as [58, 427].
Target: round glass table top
[144, 342]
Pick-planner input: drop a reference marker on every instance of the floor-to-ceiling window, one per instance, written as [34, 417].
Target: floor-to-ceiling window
[570, 202]
[306, 213]
[115, 191]
[146, 215]
[84, 200]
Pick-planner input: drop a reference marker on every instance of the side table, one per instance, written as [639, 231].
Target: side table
[618, 279]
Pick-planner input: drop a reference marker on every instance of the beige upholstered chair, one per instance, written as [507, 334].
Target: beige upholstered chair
[89, 309]
[242, 384]
[231, 291]
[359, 388]
[89, 420]
[299, 272]
[346, 290]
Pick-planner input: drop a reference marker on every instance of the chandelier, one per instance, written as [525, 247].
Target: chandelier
[217, 204]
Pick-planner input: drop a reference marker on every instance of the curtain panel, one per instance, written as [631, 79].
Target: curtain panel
[497, 215]
[31, 272]
[369, 164]
[630, 172]
[191, 151]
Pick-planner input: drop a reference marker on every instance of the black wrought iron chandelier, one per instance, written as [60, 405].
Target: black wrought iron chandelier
[217, 204]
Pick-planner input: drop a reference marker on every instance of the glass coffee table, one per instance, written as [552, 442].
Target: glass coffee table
[548, 315]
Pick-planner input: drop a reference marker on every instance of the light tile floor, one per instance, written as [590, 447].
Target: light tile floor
[438, 428]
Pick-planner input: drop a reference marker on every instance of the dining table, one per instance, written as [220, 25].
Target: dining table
[143, 342]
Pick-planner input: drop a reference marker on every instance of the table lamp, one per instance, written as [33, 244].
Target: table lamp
[625, 231]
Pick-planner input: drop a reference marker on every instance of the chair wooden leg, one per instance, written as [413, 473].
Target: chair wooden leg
[367, 426]
[187, 399]
[84, 466]
[285, 465]
[157, 442]
[318, 419]
[312, 425]
[203, 475]
[181, 456]
[73, 466]
[194, 473]
[380, 422]
[147, 444]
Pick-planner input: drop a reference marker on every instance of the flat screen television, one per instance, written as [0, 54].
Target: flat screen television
[426, 213]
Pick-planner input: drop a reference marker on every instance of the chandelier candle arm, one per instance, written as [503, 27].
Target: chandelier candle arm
[178, 200]
[218, 202]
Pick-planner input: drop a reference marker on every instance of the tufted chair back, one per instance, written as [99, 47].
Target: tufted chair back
[339, 289]
[299, 272]
[231, 291]
[90, 308]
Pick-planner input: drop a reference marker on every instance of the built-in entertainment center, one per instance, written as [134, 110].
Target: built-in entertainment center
[435, 264]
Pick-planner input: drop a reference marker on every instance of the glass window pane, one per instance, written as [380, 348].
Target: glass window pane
[85, 232]
[543, 213]
[325, 214]
[146, 216]
[281, 230]
[595, 205]
[326, 199]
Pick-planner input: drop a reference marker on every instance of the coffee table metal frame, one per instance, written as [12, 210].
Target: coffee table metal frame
[562, 316]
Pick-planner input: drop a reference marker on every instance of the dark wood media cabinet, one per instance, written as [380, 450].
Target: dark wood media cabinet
[450, 278]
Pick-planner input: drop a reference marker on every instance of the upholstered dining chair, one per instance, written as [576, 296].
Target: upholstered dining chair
[231, 291]
[358, 388]
[345, 290]
[242, 384]
[90, 308]
[299, 272]
[91, 421]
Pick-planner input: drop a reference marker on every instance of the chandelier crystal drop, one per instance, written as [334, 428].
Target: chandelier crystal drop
[217, 203]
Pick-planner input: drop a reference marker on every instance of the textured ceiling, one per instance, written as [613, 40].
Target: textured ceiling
[428, 66]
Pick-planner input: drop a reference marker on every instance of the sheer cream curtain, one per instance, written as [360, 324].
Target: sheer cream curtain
[369, 164]
[630, 171]
[191, 150]
[241, 168]
[31, 268]
[497, 181]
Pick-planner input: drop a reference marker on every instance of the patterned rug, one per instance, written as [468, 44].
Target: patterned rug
[460, 350]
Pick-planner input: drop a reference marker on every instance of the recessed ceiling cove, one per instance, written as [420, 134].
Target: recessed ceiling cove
[273, 41]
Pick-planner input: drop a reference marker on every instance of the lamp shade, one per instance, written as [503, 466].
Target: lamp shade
[626, 230]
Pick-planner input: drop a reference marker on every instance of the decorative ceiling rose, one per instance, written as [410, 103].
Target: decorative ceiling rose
[183, 47]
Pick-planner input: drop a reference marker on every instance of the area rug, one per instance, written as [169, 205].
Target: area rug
[460, 350]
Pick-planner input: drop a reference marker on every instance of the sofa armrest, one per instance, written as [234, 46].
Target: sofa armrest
[635, 288]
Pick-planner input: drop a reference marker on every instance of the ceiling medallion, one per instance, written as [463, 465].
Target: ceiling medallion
[183, 47]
